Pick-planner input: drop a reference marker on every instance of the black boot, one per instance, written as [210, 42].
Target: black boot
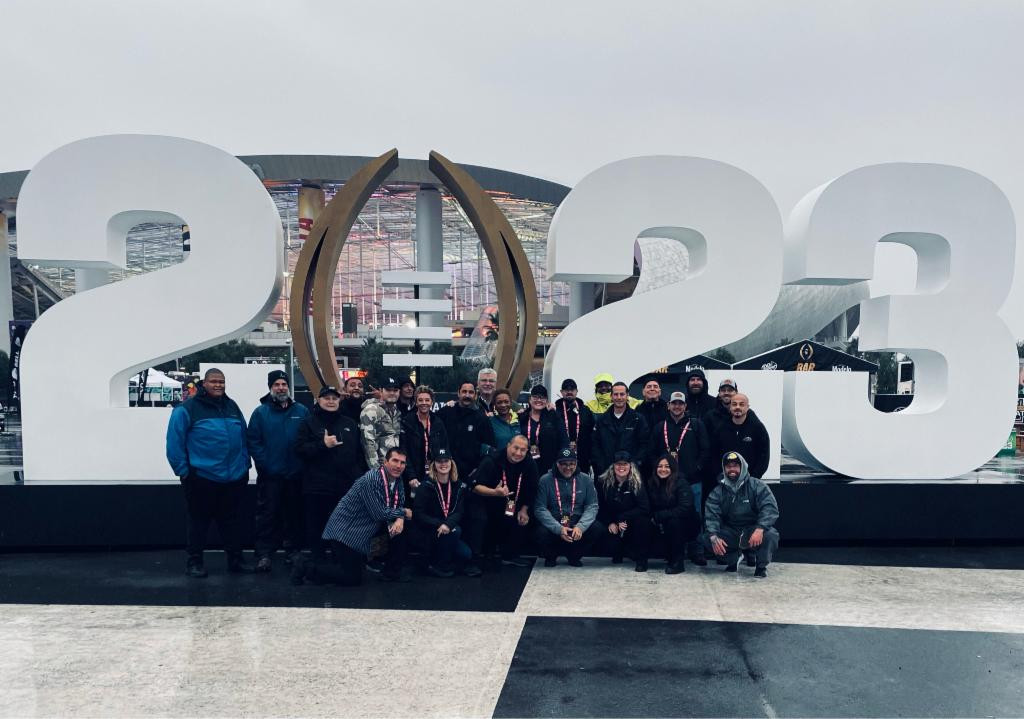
[761, 572]
[194, 568]
[675, 567]
[641, 565]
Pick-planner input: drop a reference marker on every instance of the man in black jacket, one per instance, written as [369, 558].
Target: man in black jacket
[620, 429]
[503, 489]
[743, 433]
[653, 408]
[699, 402]
[328, 444]
[470, 435]
[721, 411]
[685, 438]
[578, 421]
[352, 398]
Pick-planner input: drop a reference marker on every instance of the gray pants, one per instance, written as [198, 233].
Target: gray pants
[731, 535]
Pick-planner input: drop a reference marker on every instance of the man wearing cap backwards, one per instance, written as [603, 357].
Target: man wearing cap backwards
[502, 492]
[206, 448]
[470, 434]
[726, 389]
[620, 429]
[381, 422]
[543, 431]
[685, 438]
[578, 421]
[328, 445]
[374, 506]
[566, 512]
[603, 394]
[740, 515]
[273, 427]
[699, 402]
[743, 433]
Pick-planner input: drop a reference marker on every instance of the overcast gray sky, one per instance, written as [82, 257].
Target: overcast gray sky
[796, 93]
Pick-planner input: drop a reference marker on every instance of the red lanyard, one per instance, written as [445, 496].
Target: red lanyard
[558, 496]
[535, 441]
[504, 483]
[426, 445]
[565, 416]
[683, 434]
[387, 492]
[445, 503]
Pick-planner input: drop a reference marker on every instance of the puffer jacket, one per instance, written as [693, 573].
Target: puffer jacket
[207, 436]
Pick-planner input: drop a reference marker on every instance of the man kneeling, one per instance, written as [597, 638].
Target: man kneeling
[374, 505]
[566, 511]
[740, 514]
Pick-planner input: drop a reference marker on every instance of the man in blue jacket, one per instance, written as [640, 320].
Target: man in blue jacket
[271, 438]
[206, 448]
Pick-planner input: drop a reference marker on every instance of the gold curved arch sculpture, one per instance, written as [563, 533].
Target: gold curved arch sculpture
[317, 264]
[518, 310]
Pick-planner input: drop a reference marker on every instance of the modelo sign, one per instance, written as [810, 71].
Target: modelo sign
[78, 204]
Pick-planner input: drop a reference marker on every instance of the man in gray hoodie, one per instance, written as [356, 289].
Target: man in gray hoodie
[566, 512]
[740, 514]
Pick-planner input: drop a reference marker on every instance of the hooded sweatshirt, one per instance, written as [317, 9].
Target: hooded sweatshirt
[603, 401]
[740, 503]
[701, 403]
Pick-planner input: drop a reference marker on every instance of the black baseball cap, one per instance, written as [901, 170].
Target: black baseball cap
[623, 457]
[569, 384]
[329, 390]
[566, 455]
[440, 454]
[391, 383]
[539, 390]
[732, 457]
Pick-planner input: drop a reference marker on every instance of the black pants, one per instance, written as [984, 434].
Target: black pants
[345, 567]
[636, 542]
[489, 530]
[278, 514]
[317, 509]
[675, 533]
[552, 545]
[207, 501]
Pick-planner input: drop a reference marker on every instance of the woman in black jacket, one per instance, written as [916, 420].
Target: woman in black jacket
[623, 508]
[437, 517]
[422, 432]
[672, 510]
[329, 446]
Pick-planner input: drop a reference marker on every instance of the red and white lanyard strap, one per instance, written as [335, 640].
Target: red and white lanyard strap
[565, 417]
[558, 497]
[532, 437]
[426, 443]
[504, 483]
[681, 436]
[387, 492]
[446, 504]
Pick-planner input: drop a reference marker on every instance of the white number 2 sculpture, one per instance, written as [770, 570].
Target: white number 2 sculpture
[75, 210]
[965, 361]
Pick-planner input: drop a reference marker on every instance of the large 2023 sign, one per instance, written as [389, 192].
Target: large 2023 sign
[78, 204]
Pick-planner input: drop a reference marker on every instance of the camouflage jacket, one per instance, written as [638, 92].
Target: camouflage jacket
[380, 429]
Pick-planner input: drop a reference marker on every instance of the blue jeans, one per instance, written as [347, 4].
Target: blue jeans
[449, 549]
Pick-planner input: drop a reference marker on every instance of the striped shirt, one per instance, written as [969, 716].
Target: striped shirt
[365, 511]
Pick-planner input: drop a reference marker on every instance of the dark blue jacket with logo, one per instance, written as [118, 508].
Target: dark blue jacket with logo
[271, 435]
[208, 436]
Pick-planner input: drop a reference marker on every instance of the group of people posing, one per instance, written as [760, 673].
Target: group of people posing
[366, 482]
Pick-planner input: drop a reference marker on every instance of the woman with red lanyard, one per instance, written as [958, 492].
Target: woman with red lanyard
[437, 518]
[543, 430]
[422, 431]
